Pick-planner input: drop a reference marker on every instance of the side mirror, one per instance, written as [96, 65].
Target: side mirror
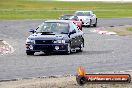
[92, 15]
[74, 31]
[80, 19]
[31, 30]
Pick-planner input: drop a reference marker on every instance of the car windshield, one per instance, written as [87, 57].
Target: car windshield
[72, 18]
[83, 13]
[65, 17]
[53, 27]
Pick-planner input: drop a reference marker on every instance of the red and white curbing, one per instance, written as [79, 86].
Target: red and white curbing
[99, 31]
[6, 48]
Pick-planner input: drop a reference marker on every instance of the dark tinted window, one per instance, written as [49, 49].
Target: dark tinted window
[82, 13]
[74, 18]
[65, 17]
[55, 27]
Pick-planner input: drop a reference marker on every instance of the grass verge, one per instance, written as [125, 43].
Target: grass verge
[26, 9]
[129, 29]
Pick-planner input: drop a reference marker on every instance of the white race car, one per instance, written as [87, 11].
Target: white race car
[88, 18]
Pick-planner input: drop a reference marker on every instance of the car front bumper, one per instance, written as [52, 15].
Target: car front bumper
[46, 47]
[85, 23]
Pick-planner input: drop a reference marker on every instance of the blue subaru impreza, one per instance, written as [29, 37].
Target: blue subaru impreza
[55, 36]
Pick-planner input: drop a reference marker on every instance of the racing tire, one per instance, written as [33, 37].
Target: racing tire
[30, 53]
[95, 25]
[89, 23]
[81, 80]
[81, 47]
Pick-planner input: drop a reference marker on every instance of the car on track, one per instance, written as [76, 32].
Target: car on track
[73, 18]
[55, 36]
[88, 18]
[65, 17]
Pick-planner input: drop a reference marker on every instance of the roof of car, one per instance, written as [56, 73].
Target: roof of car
[67, 15]
[84, 11]
[64, 21]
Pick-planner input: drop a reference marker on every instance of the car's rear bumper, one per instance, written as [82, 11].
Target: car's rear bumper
[46, 47]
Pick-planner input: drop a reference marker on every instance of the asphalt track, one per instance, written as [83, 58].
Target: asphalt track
[102, 53]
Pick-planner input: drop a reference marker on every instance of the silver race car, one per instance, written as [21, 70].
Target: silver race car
[88, 18]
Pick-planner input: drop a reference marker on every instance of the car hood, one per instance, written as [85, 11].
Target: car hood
[84, 17]
[39, 36]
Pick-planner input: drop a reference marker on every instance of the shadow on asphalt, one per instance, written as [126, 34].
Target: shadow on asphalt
[93, 52]
[76, 53]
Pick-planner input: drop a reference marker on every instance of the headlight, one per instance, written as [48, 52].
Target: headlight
[59, 41]
[63, 41]
[30, 41]
[76, 23]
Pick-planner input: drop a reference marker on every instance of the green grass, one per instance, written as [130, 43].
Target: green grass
[29, 9]
[129, 29]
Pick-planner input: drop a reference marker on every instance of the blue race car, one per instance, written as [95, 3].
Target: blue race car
[55, 36]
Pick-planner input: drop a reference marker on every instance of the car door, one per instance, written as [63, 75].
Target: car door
[73, 35]
[78, 36]
[93, 17]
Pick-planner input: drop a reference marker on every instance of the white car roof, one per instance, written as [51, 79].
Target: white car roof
[64, 21]
[84, 11]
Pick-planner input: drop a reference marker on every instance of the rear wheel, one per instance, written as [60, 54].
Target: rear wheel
[90, 23]
[30, 53]
[95, 25]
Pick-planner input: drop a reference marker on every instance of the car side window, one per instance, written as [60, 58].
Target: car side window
[76, 18]
[75, 28]
[72, 27]
[92, 12]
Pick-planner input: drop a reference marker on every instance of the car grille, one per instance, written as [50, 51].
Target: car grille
[43, 48]
[43, 41]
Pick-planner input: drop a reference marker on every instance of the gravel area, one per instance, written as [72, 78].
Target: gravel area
[61, 82]
[122, 30]
[5, 48]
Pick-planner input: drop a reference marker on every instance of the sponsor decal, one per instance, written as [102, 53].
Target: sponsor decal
[82, 77]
